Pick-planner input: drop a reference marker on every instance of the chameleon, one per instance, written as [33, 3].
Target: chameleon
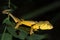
[34, 25]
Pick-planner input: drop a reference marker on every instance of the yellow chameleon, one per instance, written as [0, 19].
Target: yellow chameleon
[43, 25]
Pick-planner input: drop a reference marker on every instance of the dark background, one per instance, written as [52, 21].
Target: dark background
[36, 10]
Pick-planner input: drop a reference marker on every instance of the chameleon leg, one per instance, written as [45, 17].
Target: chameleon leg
[31, 31]
[17, 25]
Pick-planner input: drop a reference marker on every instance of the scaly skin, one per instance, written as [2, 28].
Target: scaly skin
[43, 25]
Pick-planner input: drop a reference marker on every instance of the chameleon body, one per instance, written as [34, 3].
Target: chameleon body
[43, 25]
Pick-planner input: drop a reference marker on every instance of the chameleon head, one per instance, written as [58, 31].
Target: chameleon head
[46, 26]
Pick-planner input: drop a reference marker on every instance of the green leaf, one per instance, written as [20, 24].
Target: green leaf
[36, 37]
[10, 26]
[23, 34]
[6, 21]
[6, 36]
[12, 31]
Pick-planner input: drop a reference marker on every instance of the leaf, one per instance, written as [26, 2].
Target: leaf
[23, 34]
[6, 21]
[10, 27]
[36, 37]
[7, 36]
